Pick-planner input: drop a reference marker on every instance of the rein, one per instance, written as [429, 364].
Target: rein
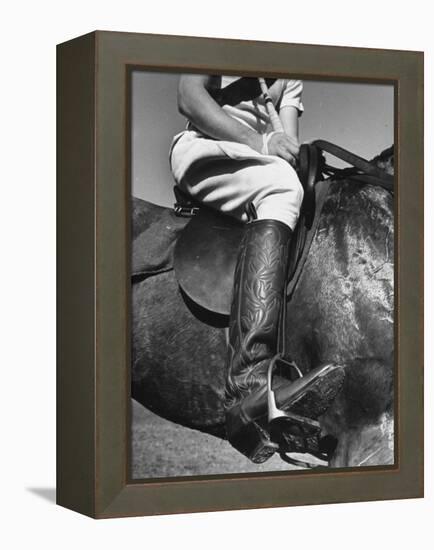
[366, 171]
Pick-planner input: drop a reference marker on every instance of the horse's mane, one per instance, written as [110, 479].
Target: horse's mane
[385, 160]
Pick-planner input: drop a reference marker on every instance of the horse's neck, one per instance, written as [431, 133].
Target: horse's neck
[351, 256]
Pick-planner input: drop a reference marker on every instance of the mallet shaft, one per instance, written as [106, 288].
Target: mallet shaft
[271, 110]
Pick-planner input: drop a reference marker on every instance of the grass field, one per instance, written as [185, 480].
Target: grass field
[163, 449]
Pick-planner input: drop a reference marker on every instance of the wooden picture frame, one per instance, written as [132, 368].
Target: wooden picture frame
[93, 274]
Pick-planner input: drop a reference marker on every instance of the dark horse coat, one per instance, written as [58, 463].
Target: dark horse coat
[341, 311]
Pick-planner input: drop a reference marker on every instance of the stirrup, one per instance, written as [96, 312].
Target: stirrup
[274, 413]
[300, 433]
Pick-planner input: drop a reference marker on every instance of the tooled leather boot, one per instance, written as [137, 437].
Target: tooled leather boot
[257, 301]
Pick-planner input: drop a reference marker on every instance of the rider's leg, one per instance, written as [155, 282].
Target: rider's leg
[260, 280]
[257, 301]
[227, 185]
[260, 276]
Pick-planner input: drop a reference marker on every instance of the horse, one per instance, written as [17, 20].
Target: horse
[341, 311]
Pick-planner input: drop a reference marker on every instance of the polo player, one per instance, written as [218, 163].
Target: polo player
[229, 159]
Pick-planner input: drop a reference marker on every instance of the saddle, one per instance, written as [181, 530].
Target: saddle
[206, 251]
[205, 257]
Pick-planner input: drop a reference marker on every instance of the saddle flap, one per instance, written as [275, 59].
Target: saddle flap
[205, 257]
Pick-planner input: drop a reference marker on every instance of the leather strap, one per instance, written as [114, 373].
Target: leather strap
[244, 89]
[379, 177]
[305, 235]
[310, 166]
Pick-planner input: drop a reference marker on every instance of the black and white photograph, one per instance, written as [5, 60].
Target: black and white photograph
[217, 231]
[262, 274]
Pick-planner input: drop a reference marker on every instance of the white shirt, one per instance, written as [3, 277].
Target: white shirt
[253, 113]
[284, 93]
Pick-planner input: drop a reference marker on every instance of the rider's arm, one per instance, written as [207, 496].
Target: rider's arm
[289, 118]
[196, 104]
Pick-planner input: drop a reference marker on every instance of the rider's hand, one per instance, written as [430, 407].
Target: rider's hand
[284, 146]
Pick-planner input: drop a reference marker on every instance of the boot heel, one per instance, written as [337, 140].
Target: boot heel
[248, 437]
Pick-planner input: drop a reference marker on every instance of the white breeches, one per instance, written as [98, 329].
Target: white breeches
[227, 176]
